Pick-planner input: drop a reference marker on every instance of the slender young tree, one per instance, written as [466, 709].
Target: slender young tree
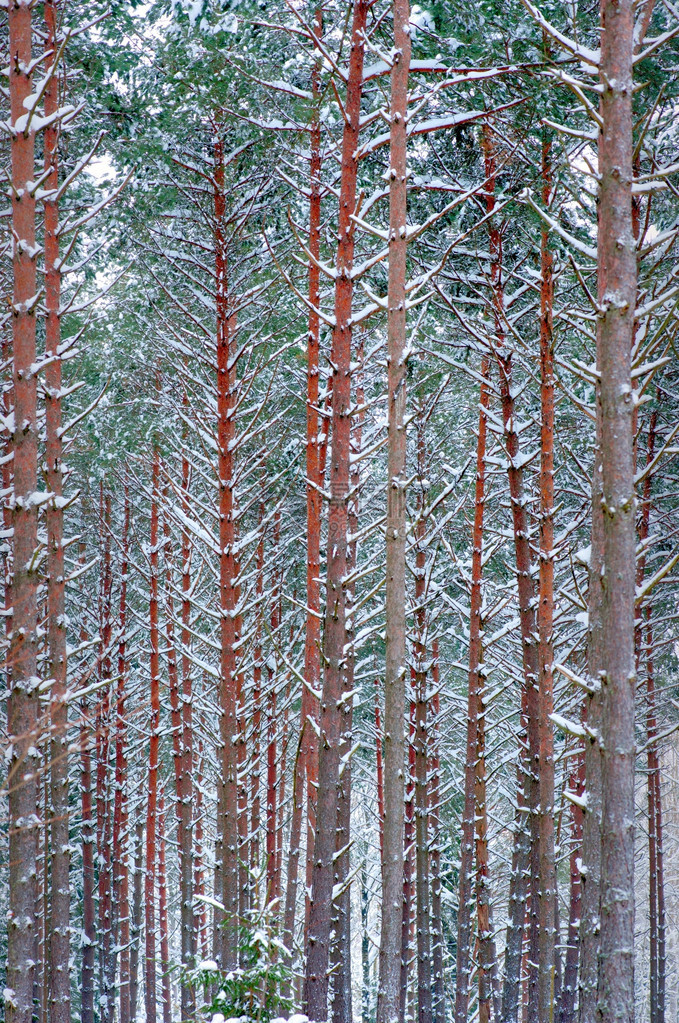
[474, 682]
[318, 948]
[314, 484]
[154, 743]
[226, 854]
[60, 892]
[121, 815]
[547, 894]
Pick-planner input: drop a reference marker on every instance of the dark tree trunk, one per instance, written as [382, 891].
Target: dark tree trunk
[475, 681]
[547, 894]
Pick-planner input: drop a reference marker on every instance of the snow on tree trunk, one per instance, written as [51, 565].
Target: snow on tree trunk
[60, 892]
[23, 708]
[318, 938]
[395, 663]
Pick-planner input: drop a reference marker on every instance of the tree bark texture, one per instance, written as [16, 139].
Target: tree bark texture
[23, 705]
[152, 797]
[59, 922]
[226, 852]
[316, 978]
[617, 286]
[421, 743]
[395, 662]
[464, 902]
[121, 816]
[547, 894]
[182, 782]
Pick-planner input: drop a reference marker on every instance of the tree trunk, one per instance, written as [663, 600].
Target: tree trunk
[439, 999]
[152, 800]
[59, 923]
[199, 861]
[271, 788]
[408, 878]
[308, 760]
[617, 285]
[570, 974]
[105, 943]
[186, 878]
[421, 746]
[88, 842]
[486, 945]
[136, 916]
[226, 851]
[256, 755]
[474, 683]
[547, 894]
[182, 779]
[162, 915]
[591, 825]
[525, 851]
[341, 951]
[23, 701]
[379, 765]
[316, 980]
[395, 665]
[120, 814]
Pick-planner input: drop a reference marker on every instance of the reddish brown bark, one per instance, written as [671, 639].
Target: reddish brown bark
[226, 850]
[316, 980]
[22, 704]
[395, 632]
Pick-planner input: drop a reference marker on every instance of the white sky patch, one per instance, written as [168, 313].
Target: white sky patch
[101, 168]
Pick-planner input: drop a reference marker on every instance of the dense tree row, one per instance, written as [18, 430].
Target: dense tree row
[339, 510]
